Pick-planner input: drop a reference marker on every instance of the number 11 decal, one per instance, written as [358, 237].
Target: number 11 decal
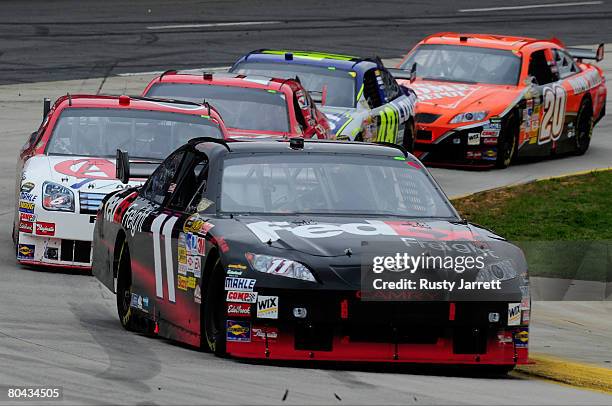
[553, 120]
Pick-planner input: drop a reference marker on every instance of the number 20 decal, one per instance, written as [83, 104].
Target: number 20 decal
[555, 99]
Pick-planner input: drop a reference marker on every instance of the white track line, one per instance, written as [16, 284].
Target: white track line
[237, 23]
[528, 6]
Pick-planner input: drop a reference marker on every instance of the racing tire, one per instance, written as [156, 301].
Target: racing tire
[583, 128]
[124, 289]
[507, 144]
[409, 136]
[213, 311]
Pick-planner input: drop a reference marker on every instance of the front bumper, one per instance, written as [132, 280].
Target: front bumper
[343, 329]
[65, 241]
[474, 146]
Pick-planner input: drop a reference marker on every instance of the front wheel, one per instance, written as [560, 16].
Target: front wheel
[584, 128]
[507, 144]
[213, 311]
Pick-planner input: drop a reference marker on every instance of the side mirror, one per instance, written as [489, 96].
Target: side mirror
[599, 54]
[324, 95]
[413, 72]
[46, 107]
[122, 166]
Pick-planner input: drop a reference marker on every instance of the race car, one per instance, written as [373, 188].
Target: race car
[67, 166]
[251, 106]
[362, 101]
[255, 249]
[485, 100]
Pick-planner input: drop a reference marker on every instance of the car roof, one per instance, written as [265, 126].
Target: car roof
[134, 102]
[507, 42]
[311, 58]
[225, 79]
[310, 146]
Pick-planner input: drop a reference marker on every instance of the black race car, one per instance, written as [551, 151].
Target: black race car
[260, 250]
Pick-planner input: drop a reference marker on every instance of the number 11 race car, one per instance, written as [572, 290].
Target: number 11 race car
[253, 249]
[484, 100]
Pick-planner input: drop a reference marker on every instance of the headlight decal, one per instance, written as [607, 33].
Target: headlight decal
[57, 197]
[279, 266]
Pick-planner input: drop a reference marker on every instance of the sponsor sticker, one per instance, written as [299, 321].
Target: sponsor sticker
[514, 313]
[27, 186]
[182, 255]
[45, 229]
[489, 155]
[26, 196]
[267, 307]
[194, 264]
[526, 316]
[26, 207]
[195, 244]
[239, 284]
[489, 141]
[182, 282]
[242, 296]
[490, 133]
[191, 282]
[26, 227]
[521, 338]
[234, 272]
[182, 269]
[238, 310]
[197, 295]
[259, 334]
[26, 251]
[27, 217]
[473, 139]
[140, 302]
[238, 331]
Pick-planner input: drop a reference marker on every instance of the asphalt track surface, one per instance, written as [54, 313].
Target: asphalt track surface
[60, 329]
[66, 39]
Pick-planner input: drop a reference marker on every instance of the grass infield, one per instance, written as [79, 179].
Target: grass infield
[564, 225]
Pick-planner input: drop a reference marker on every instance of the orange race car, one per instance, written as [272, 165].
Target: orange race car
[484, 100]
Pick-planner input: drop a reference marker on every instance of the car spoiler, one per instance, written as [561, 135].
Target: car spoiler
[583, 53]
[404, 73]
[126, 169]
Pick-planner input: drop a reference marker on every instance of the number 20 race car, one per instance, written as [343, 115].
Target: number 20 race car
[484, 100]
[253, 249]
[67, 167]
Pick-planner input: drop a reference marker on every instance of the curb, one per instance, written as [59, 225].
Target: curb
[580, 375]
[571, 174]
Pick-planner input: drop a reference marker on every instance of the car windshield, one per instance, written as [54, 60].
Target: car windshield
[241, 108]
[340, 84]
[454, 63]
[330, 184]
[95, 132]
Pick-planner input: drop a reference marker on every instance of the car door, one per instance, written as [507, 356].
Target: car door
[149, 227]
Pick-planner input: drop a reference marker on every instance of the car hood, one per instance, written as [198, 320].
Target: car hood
[337, 116]
[334, 247]
[88, 174]
[450, 98]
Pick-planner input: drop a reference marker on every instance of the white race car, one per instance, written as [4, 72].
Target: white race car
[68, 165]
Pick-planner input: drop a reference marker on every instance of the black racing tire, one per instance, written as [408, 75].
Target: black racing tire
[583, 128]
[409, 136]
[507, 144]
[124, 289]
[213, 311]
[498, 371]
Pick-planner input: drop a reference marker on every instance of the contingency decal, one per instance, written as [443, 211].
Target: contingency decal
[267, 307]
[26, 251]
[238, 331]
[514, 313]
[452, 93]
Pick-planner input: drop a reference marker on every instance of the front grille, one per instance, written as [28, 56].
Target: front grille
[90, 202]
[75, 250]
[426, 117]
[423, 135]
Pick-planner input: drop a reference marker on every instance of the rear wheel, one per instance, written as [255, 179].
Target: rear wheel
[584, 128]
[507, 143]
[213, 311]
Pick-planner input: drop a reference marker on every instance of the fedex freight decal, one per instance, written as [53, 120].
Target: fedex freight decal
[269, 231]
